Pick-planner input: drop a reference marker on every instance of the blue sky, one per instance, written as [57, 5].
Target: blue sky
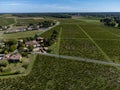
[12, 6]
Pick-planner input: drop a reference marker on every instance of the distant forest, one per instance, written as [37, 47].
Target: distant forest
[55, 15]
[67, 15]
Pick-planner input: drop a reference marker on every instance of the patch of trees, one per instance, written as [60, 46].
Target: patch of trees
[44, 24]
[9, 46]
[55, 15]
[49, 41]
[111, 21]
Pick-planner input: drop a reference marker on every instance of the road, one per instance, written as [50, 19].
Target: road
[80, 59]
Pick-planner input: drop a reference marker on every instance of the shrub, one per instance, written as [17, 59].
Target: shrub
[3, 63]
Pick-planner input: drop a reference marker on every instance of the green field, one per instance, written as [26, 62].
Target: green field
[26, 21]
[6, 21]
[81, 37]
[61, 74]
[22, 34]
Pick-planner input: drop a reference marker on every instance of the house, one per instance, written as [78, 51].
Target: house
[2, 56]
[40, 39]
[36, 49]
[14, 58]
[2, 43]
[33, 43]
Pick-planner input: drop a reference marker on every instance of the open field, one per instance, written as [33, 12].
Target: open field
[53, 73]
[82, 38]
[6, 21]
[26, 21]
[22, 34]
[80, 48]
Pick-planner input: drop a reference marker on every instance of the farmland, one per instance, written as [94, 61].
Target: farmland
[22, 34]
[78, 37]
[62, 74]
[6, 21]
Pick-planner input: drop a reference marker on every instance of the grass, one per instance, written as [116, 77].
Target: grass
[88, 40]
[21, 34]
[56, 46]
[6, 21]
[17, 67]
[62, 74]
[27, 21]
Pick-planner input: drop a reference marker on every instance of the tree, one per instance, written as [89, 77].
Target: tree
[20, 48]
[13, 48]
[5, 52]
[24, 54]
[47, 42]
[3, 63]
[11, 42]
[36, 36]
[30, 48]
[55, 32]
[21, 44]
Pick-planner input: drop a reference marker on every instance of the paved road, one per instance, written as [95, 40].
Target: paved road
[80, 59]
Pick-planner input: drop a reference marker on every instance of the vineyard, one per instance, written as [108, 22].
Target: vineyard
[53, 73]
[84, 38]
[6, 21]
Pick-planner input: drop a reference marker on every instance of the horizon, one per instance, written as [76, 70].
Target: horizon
[46, 6]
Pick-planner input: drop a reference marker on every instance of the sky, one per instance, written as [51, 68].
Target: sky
[37, 6]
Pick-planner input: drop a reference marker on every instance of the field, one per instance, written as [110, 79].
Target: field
[59, 74]
[89, 39]
[26, 21]
[78, 37]
[22, 34]
[6, 21]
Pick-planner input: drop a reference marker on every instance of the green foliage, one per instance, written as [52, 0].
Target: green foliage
[30, 48]
[61, 74]
[6, 21]
[13, 48]
[24, 54]
[3, 63]
[11, 42]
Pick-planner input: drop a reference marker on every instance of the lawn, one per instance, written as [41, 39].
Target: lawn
[61, 74]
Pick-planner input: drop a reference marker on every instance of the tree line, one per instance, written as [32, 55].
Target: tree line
[111, 21]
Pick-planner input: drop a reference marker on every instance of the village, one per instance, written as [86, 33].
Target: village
[14, 50]
[15, 53]
[29, 27]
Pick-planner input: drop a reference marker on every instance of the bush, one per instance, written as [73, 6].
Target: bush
[5, 70]
[3, 63]
[25, 65]
[24, 54]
